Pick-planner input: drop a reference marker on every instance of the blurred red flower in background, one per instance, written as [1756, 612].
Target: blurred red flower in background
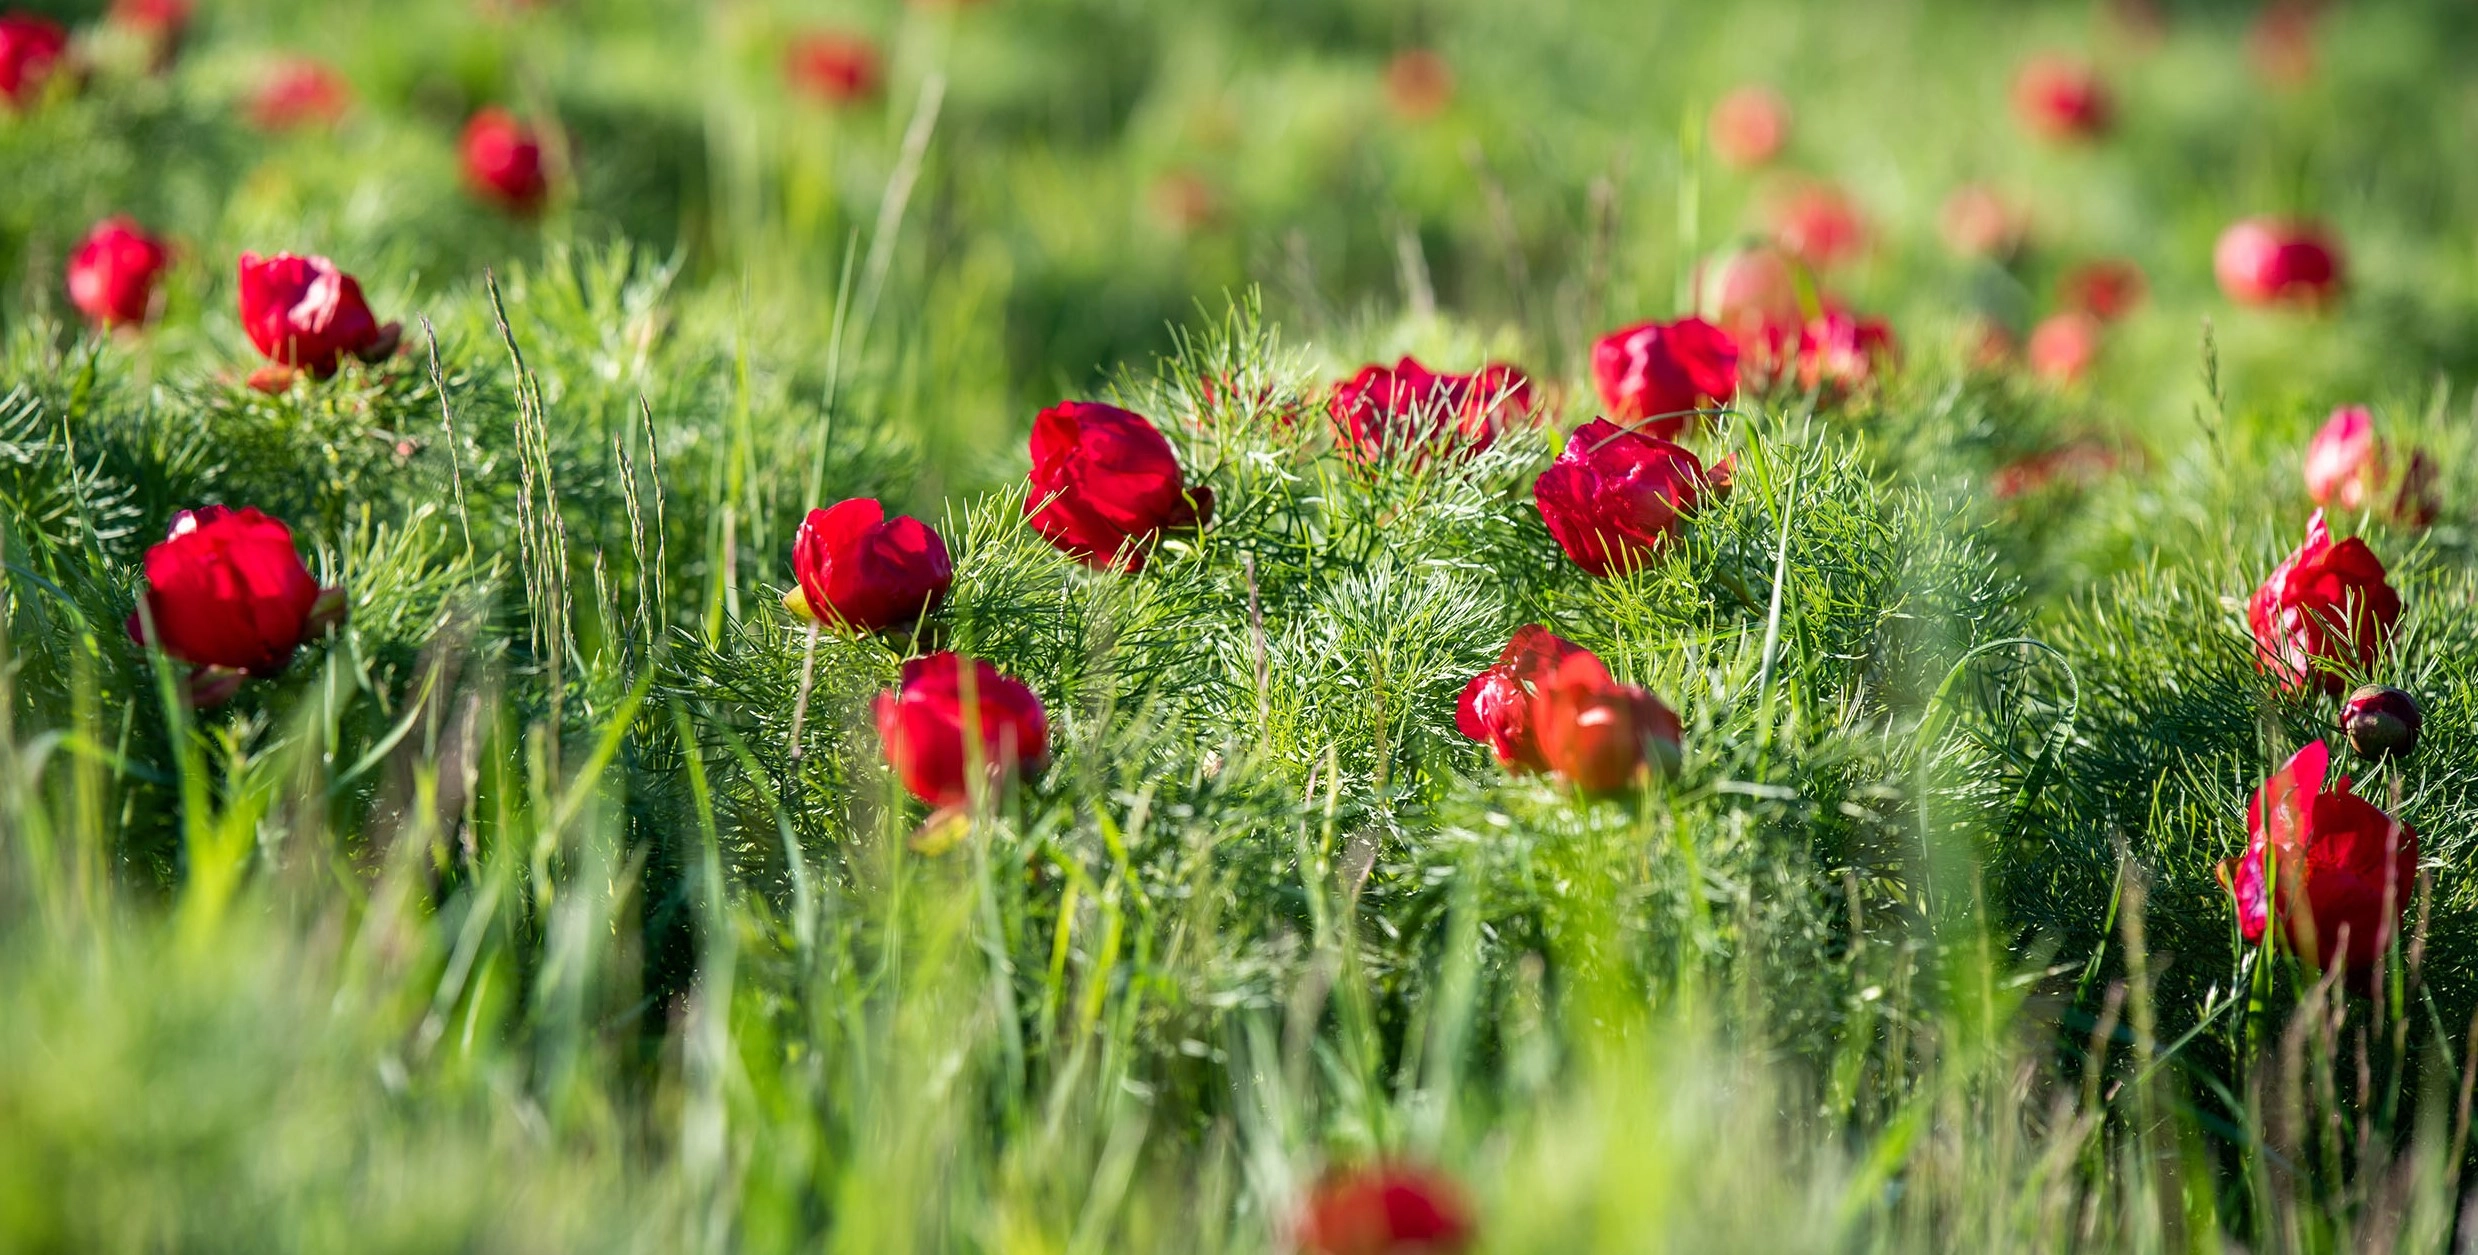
[2062, 98]
[1977, 222]
[1418, 84]
[2263, 261]
[1750, 125]
[299, 93]
[2063, 346]
[504, 163]
[113, 274]
[1599, 735]
[304, 313]
[1496, 705]
[2107, 289]
[30, 49]
[1817, 223]
[835, 67]
[1386, 1210]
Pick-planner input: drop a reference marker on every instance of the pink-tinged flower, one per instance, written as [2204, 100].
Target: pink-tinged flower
[1754, 297]
[1599, 735]
[2107, 289]
[299, 93]
[2281, 43]
[1385, 1210]
[1407, 408]
[929, 723]
[304, 313]
[31, 48]
[1840, 353]
[2340, 871]
[2063, 346]
[2381, 722]
[1977, 222]
[1496, 706]
[504, 163]
[835, 67]
[1817, 223]
[1657, 375]
[2061, 98]
[112, 275]
[2344, 461]
[2264, 261]
[1105, 484]
[2324, 611]
[1615, 495]
[1418, 84]
[859, 569]
[1750, 125]
[158, 24]
[227, 590]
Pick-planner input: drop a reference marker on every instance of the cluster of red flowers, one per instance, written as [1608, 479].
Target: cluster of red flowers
[1550, 705]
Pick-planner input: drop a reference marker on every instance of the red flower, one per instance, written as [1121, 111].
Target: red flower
[2262, 261]
[1818, 224]
[1839, 352]
[30, 49]
[1750, 125]
[1615, 495]
[2061, 98]
[1754, 298]
[304, 313]
[861, 569]
[1496, 706]
[1388, 1210]
[2381, 722]
[1418, 84]
[503, 162]
[1388, 410]
[834, 67]
[2107, 290]
[923, 725]
[2340, 869]
[226, 589]
[298, 93]
[2063, 346]
[1105, 484]
[2344, 461]
[112, 275]
[1976, 222]
[2325, 610]
[1656, 375]
[1599, 735]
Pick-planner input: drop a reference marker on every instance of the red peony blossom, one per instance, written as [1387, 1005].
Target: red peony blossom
[1749, 126]
[1496, 706]
[2061, 98]
[227, 590]
[304, 313]
[860, 569]
[112, 275]
[1840, 352]
[1818, 224]
[1977, 222]
[1599, 735]
[1385, 1210]
[923, 724]
[2264, 261]
[503, 162]
[2344, 461]
[299, 93]
[2325, 610]
[31, 48]
[2340, 870]
[2063, 346]
[1386, 411]
[2107, 290]
[1657, 375]
[1418, 84]
[1105, 484]
[835, 67]
[1614, 496]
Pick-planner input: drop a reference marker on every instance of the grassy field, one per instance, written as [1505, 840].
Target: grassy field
[568, 889]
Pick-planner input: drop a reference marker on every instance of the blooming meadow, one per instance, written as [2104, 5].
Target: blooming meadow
[1351, 628]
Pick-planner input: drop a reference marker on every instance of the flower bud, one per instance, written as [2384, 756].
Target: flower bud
[2381, 722]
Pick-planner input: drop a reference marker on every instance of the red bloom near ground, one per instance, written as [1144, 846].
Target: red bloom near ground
[1386, 411]
[858, 568]
[227, 589]
[30, 49]
[1614, 496]
[2061, 98]
[924, 724]
[835, 67]
[112, 275]
[2344, 461]
[2107, 289]
[1654, 376]
[2265, 261]
[1392, 1210]
[1496, 706]
[1749, 126]
[1599, 735]
[503, 162]
[1842, 352]
[2063, 346]
[1105, 484]
[299, 93]
[2325, 610]
[2341, 870]
[1418, 84]
[304, 313]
